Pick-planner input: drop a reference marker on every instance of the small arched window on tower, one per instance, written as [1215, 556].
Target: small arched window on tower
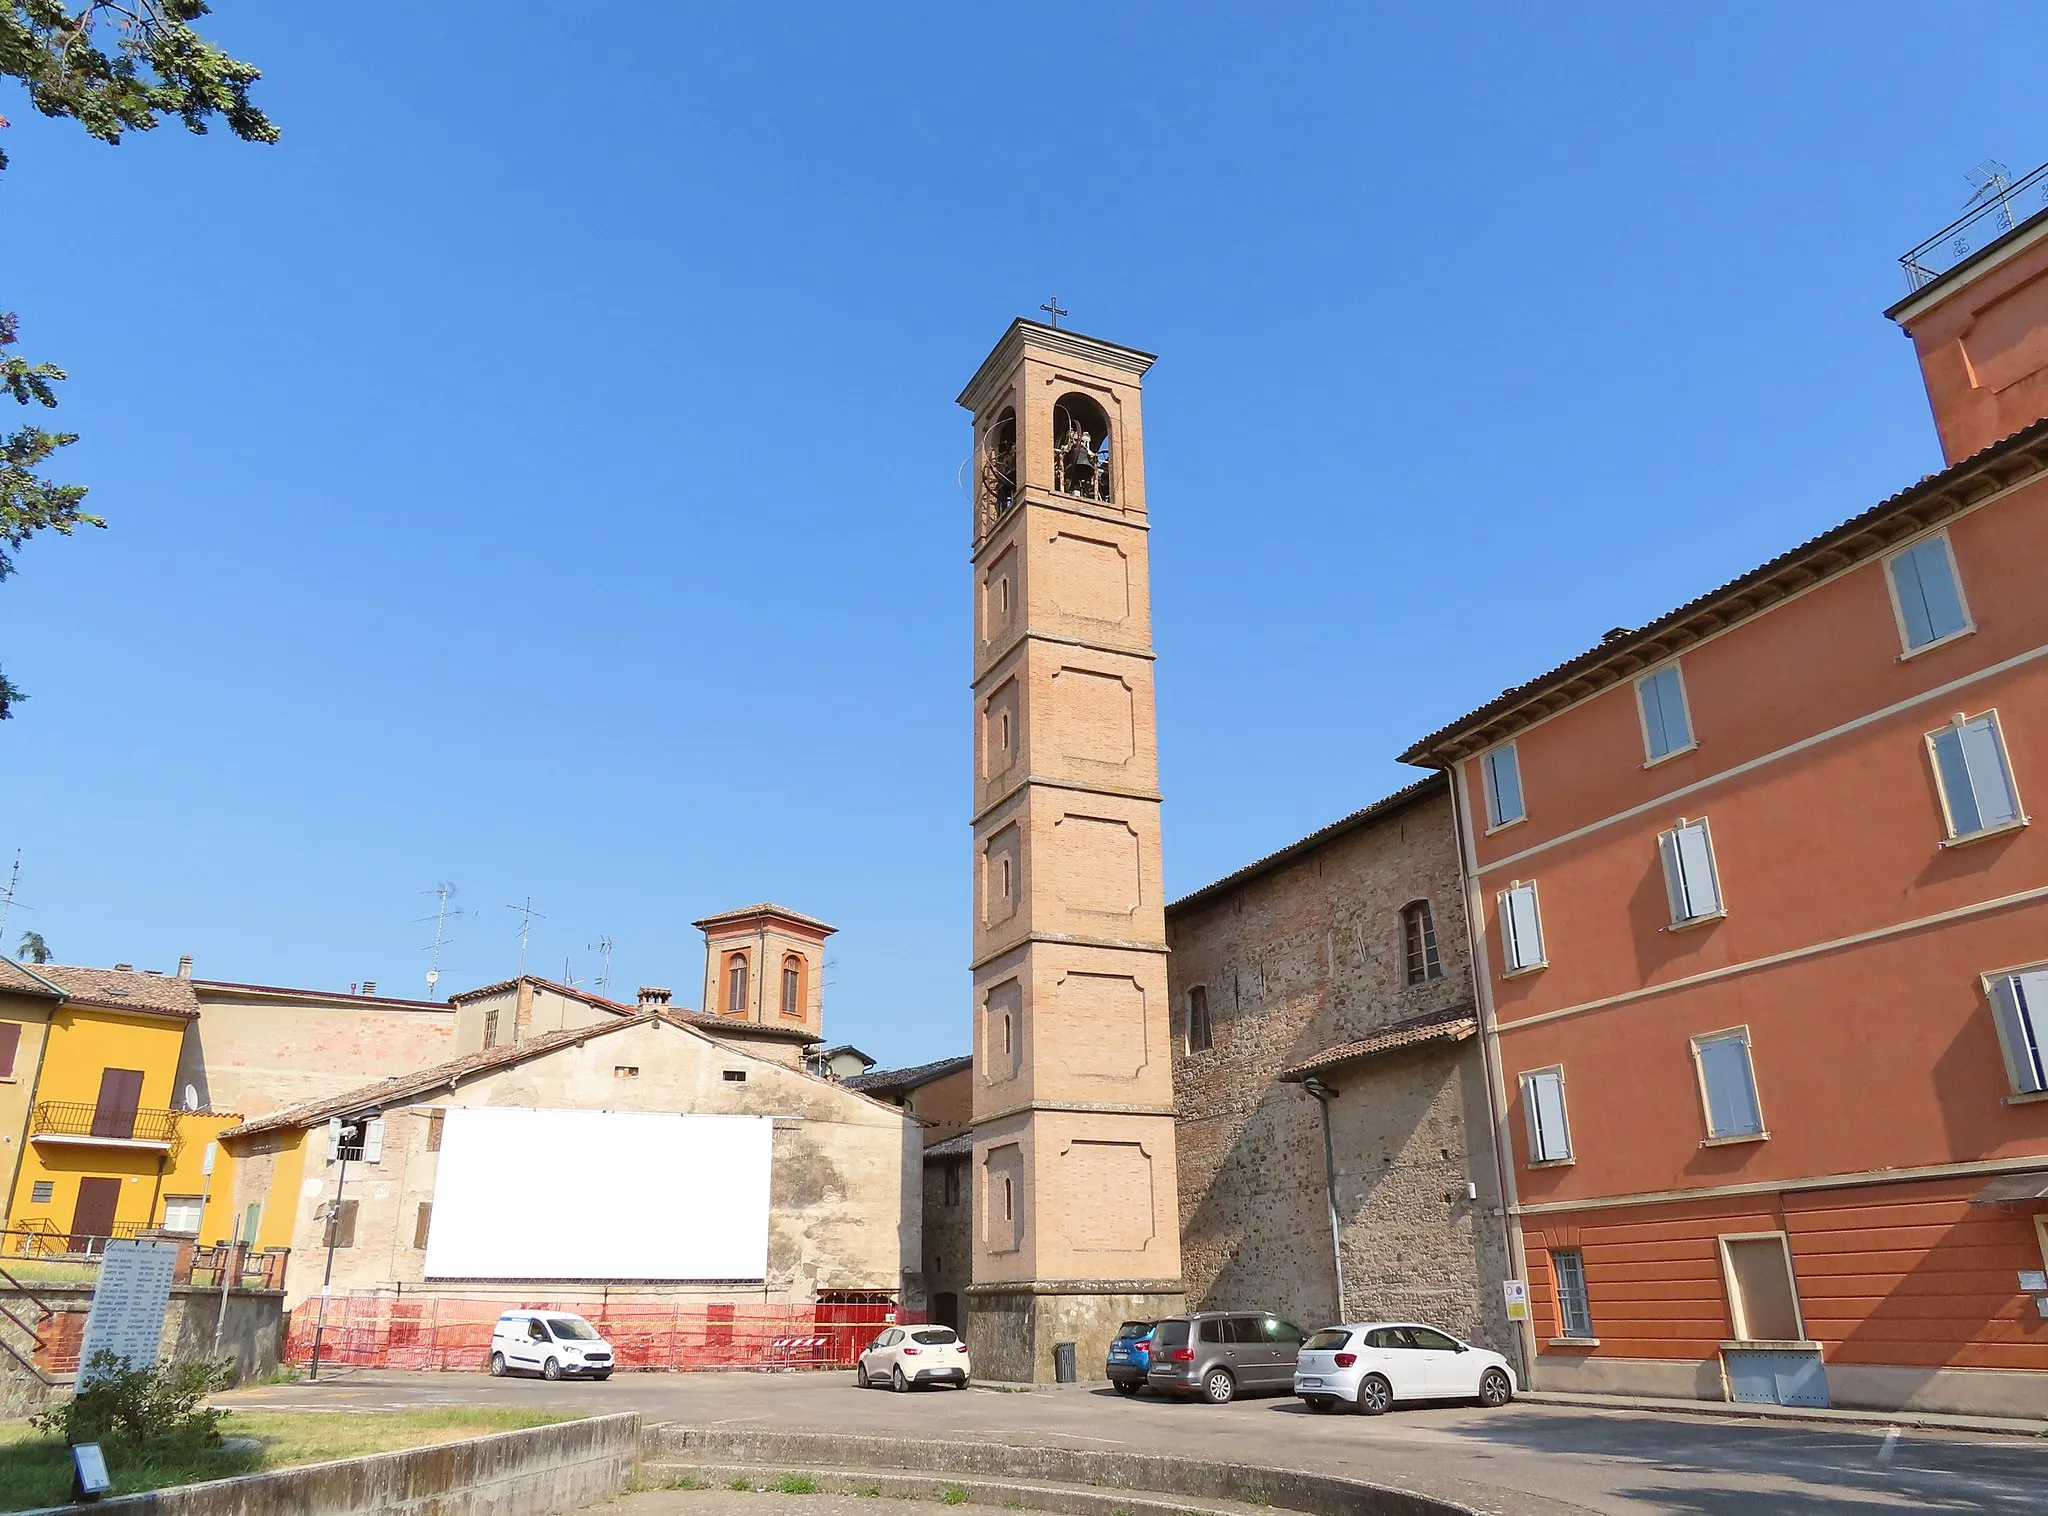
[792, 985]
[1081, 463]
[1420, 963]
[996, 468]
[736, 985]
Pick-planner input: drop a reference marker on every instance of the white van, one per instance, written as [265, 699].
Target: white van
[552, 1344]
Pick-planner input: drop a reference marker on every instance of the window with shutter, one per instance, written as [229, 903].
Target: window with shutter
[1690, 878]
[2019, 1002]
[1521, 927]
[1200, 1035]
[10, 1045]
[422, 1219]
[1550, 1137]
[1421, 965]
[1927, 593]
[1574, 1309]
[1503, 775]
[1667, 726]
[1974, 776]
[1728, 1085]
[341, 1224]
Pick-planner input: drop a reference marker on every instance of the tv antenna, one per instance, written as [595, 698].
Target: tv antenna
[603, 948]
[7, 898]
[443, 914]
[527, 917]
[1990, 180]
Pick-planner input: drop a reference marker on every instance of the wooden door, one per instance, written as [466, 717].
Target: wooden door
[92, 1221]
[113, 1115]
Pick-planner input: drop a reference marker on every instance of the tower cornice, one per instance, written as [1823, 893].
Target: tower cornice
[1054, 342]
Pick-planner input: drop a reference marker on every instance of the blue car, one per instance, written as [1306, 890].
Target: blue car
[1130, 1356]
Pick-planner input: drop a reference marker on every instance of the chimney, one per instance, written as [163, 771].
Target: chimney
[652, 999]
[369, 986]
[184, 965]
[124, 968]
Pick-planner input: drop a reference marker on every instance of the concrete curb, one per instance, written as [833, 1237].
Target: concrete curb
[1139, 1473]
[1010, 1494]
[1737, 1410]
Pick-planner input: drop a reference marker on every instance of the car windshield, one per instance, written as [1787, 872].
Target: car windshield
[934, 1336]
[1170, 1334]
[572, 1329]
[1328, 1339]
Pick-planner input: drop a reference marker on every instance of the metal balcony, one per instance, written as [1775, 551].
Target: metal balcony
[1998, 207]
[75, 1123]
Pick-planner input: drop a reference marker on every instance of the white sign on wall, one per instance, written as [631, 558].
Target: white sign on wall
[1517, 1293]
[523, 1194]
[128, 1304]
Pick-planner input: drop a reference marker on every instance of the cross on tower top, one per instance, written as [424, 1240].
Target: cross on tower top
[1054, 309]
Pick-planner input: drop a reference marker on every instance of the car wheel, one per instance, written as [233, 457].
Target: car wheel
[1126, 1387]
[1319, 1403]
[860, 1375]
[1495, 1389]
[497, 1365]
[552, 1369]
[1375, 1395]
[1219, 1388]
[896, 1380]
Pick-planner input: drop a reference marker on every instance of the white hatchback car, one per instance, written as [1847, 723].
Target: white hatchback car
[904, 1357]
[1377, 1363]
[552, 1344]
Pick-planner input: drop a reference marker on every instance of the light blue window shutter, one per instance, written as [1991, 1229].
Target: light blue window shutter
[1955, 782]
[1503, 786]
[1549, 1136]
[1653, 716]
[1731, 1089]
[1696, 867]
[2020, 1002]
[1663, 698]
[1938, 592]
[1990, 779]
[1912, 602]
[1674, 876]
[1525, 930]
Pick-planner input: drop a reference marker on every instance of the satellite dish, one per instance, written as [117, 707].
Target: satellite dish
[191, 1097]
[433, 977]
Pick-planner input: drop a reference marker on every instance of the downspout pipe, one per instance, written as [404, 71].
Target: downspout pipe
[1323, 1094]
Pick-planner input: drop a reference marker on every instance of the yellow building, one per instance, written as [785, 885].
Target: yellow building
[106, 1144]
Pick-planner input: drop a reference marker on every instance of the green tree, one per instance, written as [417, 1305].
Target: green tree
[33, 949]
[113, 66]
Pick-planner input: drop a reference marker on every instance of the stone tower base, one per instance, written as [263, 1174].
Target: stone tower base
[1011, 1328]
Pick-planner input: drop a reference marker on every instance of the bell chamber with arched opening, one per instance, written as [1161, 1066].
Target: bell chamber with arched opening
[996, 472]
[1081, 450]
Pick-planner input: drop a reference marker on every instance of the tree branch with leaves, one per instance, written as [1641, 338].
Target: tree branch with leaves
[114, 66]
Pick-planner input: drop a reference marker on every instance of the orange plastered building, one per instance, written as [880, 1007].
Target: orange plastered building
[1760, 916]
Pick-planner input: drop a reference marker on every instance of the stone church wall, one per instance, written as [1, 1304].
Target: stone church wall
[1297, 956]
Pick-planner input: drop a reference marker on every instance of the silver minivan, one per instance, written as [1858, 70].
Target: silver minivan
[1220, 1355]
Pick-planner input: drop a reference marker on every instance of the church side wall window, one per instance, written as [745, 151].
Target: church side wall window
[1199, 1035]
[1420, 962]
[736, 985]
[792, 986]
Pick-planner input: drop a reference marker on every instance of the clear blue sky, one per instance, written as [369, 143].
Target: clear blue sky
[540, 470]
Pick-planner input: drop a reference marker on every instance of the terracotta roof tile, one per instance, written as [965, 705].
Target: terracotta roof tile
[1454, 1025]
[878, 1081]
[123, 989]
[17, 980]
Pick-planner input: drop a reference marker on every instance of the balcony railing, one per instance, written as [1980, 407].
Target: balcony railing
[2001, 208]
[78, 1120]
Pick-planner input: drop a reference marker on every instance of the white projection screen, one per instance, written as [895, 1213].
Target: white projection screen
[600, 1195]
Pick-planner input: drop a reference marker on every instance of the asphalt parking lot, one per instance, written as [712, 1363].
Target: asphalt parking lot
[1548, 1458]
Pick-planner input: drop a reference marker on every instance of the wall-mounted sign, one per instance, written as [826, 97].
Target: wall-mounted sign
[1517, 1293]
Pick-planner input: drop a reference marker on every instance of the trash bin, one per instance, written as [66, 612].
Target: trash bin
[1063, 1362]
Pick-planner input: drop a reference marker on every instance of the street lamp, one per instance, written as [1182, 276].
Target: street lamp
[343, 1133]
[1322, 1094]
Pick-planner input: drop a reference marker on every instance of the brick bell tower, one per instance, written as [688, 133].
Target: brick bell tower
[1076, 1213]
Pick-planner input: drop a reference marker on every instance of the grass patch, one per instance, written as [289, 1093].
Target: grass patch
[741, 1484]
[1262, 1499]
[35, 1470]
[51, 1271]
[867, 1491]
[680, 1482]
[954, 1495]
[795, 1484]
